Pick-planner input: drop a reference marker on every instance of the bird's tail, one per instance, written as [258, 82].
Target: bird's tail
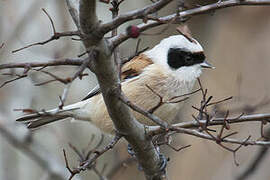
[41, 118]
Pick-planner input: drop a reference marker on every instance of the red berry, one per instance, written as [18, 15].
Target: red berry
[133, 31]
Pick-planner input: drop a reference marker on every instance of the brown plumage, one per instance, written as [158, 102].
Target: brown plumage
[135, 66]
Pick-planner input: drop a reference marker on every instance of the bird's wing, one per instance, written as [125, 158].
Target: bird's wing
[135, 66]
[130, 69]
[92, 93]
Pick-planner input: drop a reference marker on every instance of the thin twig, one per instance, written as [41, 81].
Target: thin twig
[64, 81]
[54, 62]
[64, 96]
[245, 142]
[55, 36]
[33, 151]
[88, 163]
[115, 41]
[152, 117]
[136, 14]
[213, 122]
[263, 151]
[220, 101]
[53, 27]
[72, 172]
[12, 80]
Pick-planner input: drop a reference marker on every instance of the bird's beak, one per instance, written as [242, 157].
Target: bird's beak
[206, 64]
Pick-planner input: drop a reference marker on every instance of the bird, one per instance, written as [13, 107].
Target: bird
[170, 69]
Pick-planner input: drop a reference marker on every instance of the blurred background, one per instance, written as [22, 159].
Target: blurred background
[236, 41]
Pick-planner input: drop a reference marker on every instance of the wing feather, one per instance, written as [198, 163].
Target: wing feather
[135, 66]
[130, 69]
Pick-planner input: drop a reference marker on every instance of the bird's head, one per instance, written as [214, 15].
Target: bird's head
[181, 56]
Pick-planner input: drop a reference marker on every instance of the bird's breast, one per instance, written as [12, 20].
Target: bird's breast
[158, 90]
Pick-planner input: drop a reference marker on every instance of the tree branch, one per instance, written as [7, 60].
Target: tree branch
[136, 14]
[162, 124]
[55, 36]
[197, 133]
[89, 23]
[213, 122]
[73, 11]
[100, 50]
[107, 75]
[115, 41]
[37, 154]
[55, 62]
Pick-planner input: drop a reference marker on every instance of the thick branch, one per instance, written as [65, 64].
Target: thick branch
[89, 23]
[73, 11]
[107, 75]
[87, 15]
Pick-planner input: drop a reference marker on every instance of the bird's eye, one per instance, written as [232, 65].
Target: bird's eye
[178, 57]
[198, 57]
[188, 59]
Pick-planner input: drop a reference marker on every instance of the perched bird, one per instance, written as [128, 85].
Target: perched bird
[168, 70]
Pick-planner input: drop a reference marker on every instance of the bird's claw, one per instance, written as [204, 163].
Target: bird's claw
[130, 150]
[163, 162]
[163, 159]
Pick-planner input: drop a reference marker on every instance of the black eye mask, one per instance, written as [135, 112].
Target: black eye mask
[178, 57]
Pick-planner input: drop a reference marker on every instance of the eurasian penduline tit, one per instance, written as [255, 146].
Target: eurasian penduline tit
[170, 69]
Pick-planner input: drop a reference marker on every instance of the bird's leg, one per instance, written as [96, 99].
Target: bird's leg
[132, 153]
[130, 150]
[163, 159]
[163, 162]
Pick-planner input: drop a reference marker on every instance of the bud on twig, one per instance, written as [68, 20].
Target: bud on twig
[133, 31]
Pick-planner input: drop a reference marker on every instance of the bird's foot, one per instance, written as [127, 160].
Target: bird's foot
[163, 162]
[130, 150]
[163, 159]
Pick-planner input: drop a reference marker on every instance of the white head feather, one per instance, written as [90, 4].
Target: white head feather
[159, 55]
